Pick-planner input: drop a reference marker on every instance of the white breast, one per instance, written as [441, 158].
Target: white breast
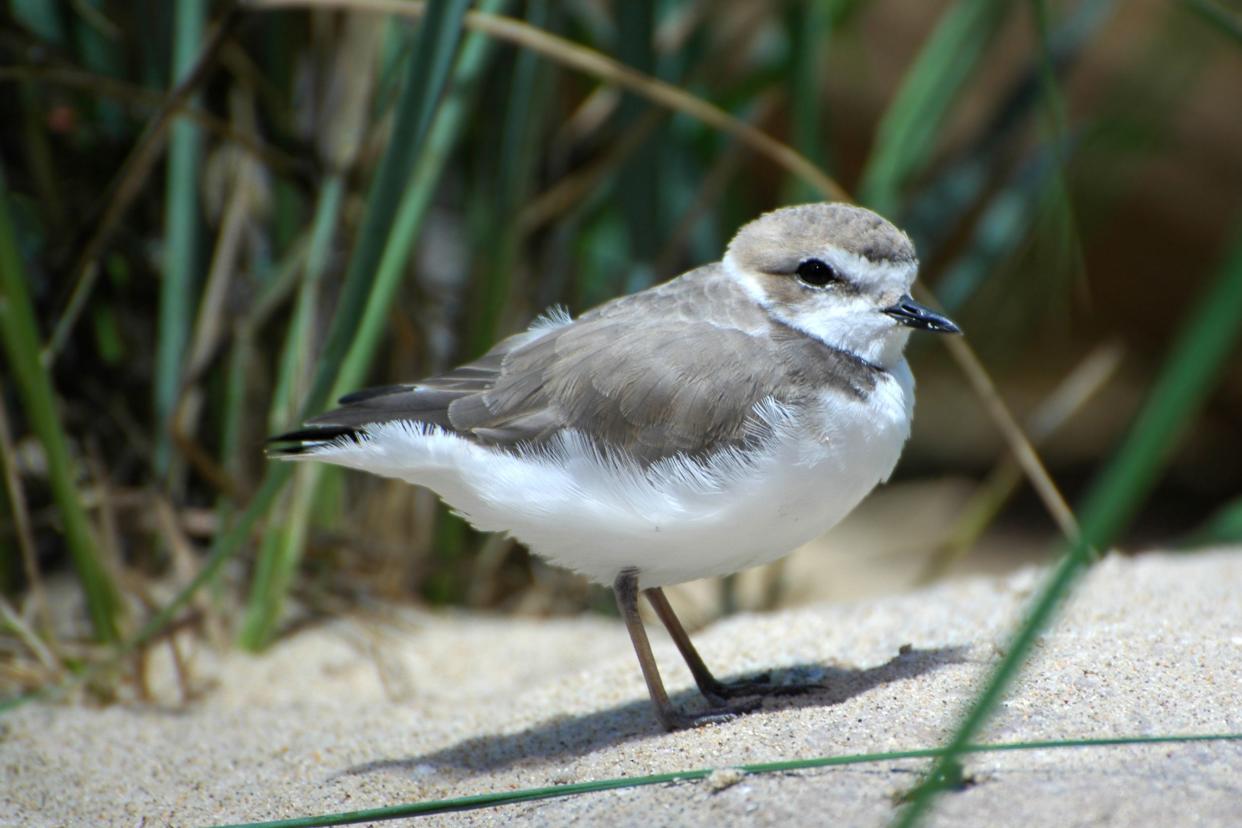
[675, 521]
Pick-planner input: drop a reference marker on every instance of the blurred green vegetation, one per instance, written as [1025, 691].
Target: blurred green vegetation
[214, 219]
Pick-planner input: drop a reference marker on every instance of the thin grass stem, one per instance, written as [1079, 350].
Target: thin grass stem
[128, 182]
[427, 73]
[19, 339]
[497, 799]
[281, 548]
[908, 132]
[182, 242]
[594, 63]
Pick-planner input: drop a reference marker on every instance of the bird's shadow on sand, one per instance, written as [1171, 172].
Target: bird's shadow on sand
[564, 737]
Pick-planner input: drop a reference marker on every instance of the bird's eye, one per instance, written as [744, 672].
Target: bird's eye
[816, 273]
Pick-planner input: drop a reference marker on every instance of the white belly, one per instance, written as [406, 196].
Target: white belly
[675, 521]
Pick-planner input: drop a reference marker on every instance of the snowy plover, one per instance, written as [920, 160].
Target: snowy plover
[703, 426]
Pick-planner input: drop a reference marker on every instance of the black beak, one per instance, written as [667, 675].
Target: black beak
[910, 313]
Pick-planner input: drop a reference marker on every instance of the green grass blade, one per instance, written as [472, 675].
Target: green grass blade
[509, 187]
[1003, 225]
[426, 76]
[20, 339]
[296, 351]
[1186, 379]
[181, 243]
[936, 212]
[638, 179]
[908, 132]
[809, 27]
[947, 766]
[449, 125]
[1223, 527]
[423, 84]
[281, 547]
[1225, 21]
[1121, 487]
[1118, 492]
[496, 799]
[409, 213]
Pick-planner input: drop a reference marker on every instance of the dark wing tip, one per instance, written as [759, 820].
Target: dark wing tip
[302, 441]
[371, 393]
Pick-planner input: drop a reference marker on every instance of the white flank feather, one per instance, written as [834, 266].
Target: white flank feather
[678, 519]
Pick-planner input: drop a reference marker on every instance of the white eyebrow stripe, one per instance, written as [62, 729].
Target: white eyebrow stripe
[857, 269]
[866, 272]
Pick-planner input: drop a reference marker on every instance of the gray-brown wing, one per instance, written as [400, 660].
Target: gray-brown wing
[654, 389]
[427, 401]
[651, 381]
[650, 390]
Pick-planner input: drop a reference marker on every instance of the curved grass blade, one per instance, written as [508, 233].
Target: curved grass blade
[449, 124]
[425, 81]
[810, 27]
[1120, 488]
[181, 251]
[1118, 492]
[281, 547]
[935, 212]
[910, 127]
[427, 74]
[592, 62]
[448, 127]
[509, 188]
[1223, 527]
[19, 338]
[1228, 23]
[1001, 228]
[1188, 376]
[494, 800]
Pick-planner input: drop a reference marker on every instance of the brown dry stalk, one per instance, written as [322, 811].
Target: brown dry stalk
[594, 63]
[129, 181]
[136, 96]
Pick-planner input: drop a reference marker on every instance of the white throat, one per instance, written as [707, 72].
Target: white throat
[854, 323]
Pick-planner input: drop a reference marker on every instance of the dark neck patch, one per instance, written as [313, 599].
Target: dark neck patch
[815, 364]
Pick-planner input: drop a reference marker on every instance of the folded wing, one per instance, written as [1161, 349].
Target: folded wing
[671, 384]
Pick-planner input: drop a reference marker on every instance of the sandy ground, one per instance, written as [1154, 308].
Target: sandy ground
[365, 713]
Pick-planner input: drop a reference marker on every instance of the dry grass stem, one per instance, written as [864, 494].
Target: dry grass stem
[606, 69]
[130, 181]
[21, 523]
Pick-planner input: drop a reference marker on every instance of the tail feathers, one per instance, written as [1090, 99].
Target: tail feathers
[305, 440]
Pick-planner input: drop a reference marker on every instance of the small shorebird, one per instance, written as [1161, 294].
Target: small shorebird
[709, 424]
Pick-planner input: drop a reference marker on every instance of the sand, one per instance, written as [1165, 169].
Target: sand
[360, 713]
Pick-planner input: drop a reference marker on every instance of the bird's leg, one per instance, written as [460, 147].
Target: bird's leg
[711, 687]
[626, 589]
